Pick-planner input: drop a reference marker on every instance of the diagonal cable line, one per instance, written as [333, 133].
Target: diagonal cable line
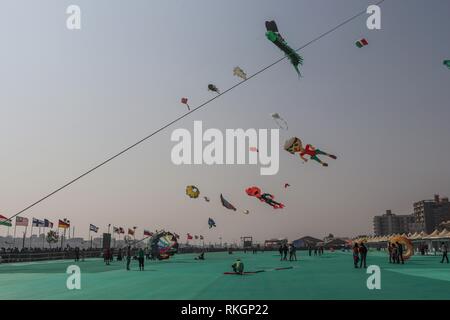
[188, 113]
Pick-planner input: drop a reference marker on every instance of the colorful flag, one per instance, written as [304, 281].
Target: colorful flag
[37, 223]
[48, 224]
[93, 228]
[361, 43]
[121, 230]
[196, 237]
[201, 237]
[148, 233]
[4, 221]
[116, 230]
[22, 222]
[64, 224]
[130, 231]
[189, 237]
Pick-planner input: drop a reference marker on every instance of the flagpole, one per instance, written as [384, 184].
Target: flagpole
[15, 225]
[43, 239]
[90, 237]
[31, 232]
[24, 236]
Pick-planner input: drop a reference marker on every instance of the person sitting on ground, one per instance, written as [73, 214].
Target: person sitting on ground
[201, 256]
[238, 266]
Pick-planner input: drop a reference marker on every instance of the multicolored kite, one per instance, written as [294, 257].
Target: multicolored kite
[192, 191]
[226, 204]
[185, 101]
[264, 197]
[361, 43]
[294, 145]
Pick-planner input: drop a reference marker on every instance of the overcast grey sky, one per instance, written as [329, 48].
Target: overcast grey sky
[70, 99]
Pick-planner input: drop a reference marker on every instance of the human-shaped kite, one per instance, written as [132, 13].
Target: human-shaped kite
[211, 223]
[264, 197]
[294, 145]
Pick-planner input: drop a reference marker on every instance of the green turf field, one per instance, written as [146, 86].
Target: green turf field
[330, 276]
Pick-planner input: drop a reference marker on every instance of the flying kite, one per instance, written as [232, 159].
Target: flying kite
[164, 245]
[226, 204]
[361, 43]
[238, 72]
[273, 35]
[279, 121]
[286, 185]
[192, 191]
[294, 145]
[245, 212]
[211, 223]
[213, 88]
[185, 101]
[447, 63]
[264, 197]
[206, 199]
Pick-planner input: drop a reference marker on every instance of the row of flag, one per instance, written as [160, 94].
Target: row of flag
[25, 222]
[190, 237]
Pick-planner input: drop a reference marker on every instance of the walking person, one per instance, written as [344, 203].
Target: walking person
[355, 255]
[444, 250]
[363, 255]
[400, 253]
[394, 250]
[141, 256]
[128, 257]
[309, 250]
[280, 250]
[390, 252]
[292, 253]
[315, 251]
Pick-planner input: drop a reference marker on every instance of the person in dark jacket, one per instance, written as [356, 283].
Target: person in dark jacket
[363, 255]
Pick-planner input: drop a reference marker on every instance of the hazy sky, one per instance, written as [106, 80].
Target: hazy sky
[70, 99]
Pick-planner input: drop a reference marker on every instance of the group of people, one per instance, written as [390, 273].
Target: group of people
[284, 249]
[359, 255]
[395, 253]
[317, 250]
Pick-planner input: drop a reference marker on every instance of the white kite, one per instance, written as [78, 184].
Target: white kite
[238, 72]
[280, 121]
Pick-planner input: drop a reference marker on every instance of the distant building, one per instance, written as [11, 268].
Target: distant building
[390, 223]
[306, 242]
[431, 213]
[274, 243]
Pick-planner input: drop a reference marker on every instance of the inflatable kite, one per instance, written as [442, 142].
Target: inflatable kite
[206, 199]
[286, 185]
[406, 243]
[163, 245]
[245, 212]
[226, 204]
[294, 145]
[264, 197]
[282, 124]
[274, 36]
[211, 223]
[447, 63]
[361, 43]
[238, 72]
[192, 192]
[213, 88]
[185, 101]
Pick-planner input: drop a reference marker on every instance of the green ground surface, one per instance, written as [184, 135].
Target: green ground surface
[330, 276]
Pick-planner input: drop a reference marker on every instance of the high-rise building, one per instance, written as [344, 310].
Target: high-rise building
[390, 223]
[430, 213]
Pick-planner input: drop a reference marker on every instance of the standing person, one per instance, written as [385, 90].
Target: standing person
[390, 252]
[363, 255]
[355, 254]
[128, 257]
[394, 250]
[315, 251]
[285, 251]
[309, 250]
[106, 256]
[444, 250]
[400, 253]
[292, 253]
[141, 256]
[77, 254]
[280, 250]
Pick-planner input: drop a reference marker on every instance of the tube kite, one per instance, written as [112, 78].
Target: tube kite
[405, 242]
[264, 197]
[274, 36]
[294, 145]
